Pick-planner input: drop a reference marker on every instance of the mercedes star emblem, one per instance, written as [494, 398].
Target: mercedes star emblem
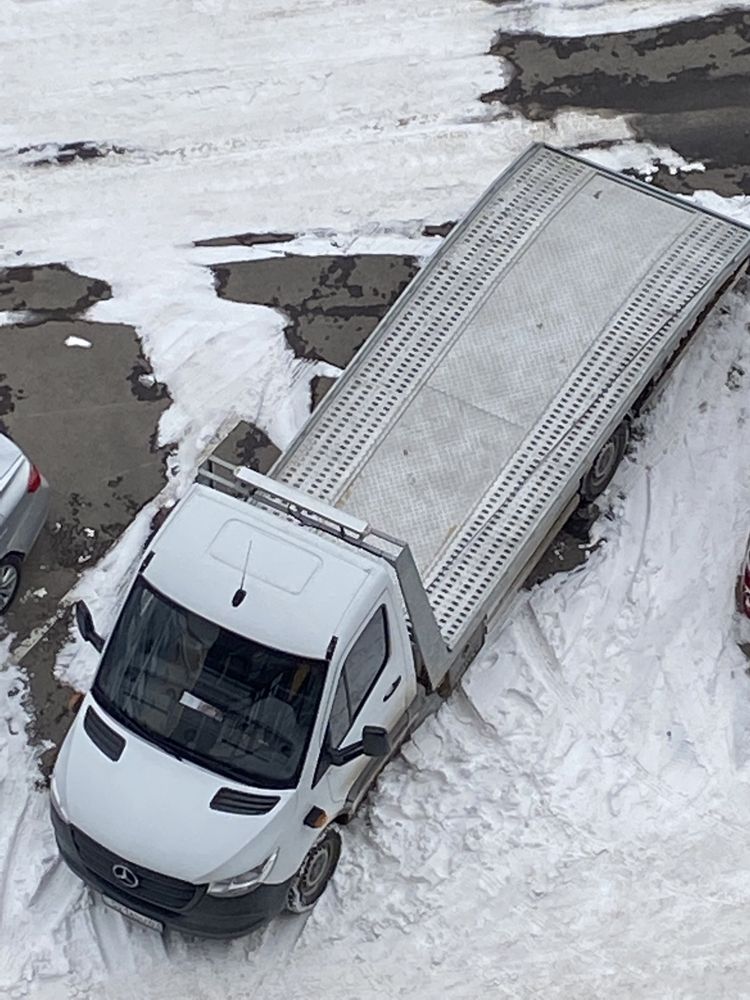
[123, 874]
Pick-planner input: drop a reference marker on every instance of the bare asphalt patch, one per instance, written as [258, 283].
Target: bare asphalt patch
[49, 291]
[88, 420]
[684, 85]
[61, 154]
[332, 303]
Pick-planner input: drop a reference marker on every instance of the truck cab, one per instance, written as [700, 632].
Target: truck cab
[256, 677]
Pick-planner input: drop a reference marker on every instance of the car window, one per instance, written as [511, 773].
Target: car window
[366, 659]
[339, 723]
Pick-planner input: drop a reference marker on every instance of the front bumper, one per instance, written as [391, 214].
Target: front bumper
[205, 916]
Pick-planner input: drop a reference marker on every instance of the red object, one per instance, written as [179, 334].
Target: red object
[746, 588]
[35, 479]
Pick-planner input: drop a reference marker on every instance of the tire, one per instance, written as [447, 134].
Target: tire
[314, 873]
[10, 581]
[599, 476]
[581, 520]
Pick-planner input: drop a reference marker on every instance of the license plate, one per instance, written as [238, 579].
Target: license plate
[139, 918]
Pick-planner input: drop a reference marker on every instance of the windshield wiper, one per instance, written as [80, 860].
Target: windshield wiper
[177, 751]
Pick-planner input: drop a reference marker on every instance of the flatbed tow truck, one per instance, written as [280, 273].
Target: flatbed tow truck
[286, 633]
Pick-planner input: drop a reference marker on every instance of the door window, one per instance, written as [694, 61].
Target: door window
[366, 659]
[339, 723]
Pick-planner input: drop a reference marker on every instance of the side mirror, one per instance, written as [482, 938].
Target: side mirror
[374, 743]
[85, 624]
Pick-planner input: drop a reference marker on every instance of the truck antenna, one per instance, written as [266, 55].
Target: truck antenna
[240, 594]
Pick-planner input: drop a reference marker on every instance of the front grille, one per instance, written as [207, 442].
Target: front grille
[159, 890]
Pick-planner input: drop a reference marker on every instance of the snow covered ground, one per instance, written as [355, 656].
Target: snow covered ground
[586, 17]
[573, 822]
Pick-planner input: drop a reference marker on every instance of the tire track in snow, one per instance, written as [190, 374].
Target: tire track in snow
[57, 895]
[36, 914]
[538, 650]
[9, 865]
[536, 647]
[636, 572]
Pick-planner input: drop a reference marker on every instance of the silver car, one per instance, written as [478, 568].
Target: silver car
[24, 498]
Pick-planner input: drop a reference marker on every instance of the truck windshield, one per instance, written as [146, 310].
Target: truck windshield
[207, 694]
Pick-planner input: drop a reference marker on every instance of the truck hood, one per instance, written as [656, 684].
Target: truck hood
[152, 809]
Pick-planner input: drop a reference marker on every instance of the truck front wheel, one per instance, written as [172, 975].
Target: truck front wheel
[597, 479]
[314, 873]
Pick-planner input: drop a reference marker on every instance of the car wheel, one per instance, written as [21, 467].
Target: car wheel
[10, 580]
[598, 478]
[314, 873]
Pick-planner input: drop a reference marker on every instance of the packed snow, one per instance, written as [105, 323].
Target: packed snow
[586, 17]
[573, 821]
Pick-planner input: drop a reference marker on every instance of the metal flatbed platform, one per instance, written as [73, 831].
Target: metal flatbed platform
[466, 422]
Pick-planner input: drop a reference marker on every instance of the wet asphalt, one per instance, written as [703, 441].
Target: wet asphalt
[88, 415]
[332, 304]
[685, 86]
[86, 418]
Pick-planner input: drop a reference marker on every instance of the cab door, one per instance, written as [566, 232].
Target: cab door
[373, 689]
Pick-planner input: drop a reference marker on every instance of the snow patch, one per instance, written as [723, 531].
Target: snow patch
[644, 157]
[587, 17]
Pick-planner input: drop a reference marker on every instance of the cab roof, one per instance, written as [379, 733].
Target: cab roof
[299, 585]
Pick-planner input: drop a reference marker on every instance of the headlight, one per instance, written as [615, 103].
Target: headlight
[238, 885]
[57, 805]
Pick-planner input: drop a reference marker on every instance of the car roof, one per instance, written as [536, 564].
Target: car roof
[299, 585]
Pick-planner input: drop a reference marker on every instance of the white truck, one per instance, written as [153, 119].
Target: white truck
[284, 634]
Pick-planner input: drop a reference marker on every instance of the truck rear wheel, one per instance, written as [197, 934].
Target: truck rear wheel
[314, 873]
[599, 476]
